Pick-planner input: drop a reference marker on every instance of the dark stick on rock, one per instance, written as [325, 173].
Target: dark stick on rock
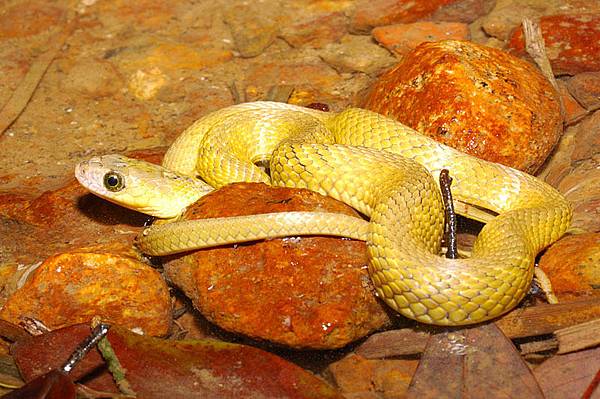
[97, 334]
[445, 182]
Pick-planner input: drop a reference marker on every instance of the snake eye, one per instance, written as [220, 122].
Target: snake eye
[113, 181]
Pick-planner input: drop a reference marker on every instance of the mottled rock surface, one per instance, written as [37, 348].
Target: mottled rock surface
[572, 266]
[304, 292]
[477, 99]
[357, 53]
[572, 42]
[105, 281]
[371, 13]
[402, 38]
[358, 377]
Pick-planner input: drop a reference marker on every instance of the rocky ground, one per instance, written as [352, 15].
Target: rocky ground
[129, 77]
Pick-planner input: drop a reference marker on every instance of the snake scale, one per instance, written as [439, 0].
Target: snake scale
[380, 167]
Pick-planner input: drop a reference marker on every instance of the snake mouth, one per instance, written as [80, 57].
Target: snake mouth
[81, 172]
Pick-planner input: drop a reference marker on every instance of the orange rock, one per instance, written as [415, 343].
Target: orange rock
[358, 377]
[317, 32]
[572, 266]
[309, 292]
[28, 18]
[401, 38]
[106, 281]
[480, 100]
[175, 56]
[58, 220]
[572, 42]
[371, 13]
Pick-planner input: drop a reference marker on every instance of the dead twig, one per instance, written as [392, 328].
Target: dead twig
[451, 225]
[18, 101]
[536, 48]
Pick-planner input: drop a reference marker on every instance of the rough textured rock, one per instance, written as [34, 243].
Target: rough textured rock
[316, 32]
[585, 87]
[252, 31]
[572, 266]
[572, 42]
[357, 53]
[309, 292]
[371, 13]
[507, 15]
[67, 217]
[106, 281]
[358, 377]
[480, 100]
[401, 38]
[16, 19]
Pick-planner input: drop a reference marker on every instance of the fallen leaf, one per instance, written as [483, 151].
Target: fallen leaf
[158, 368]
[568, 376]
[472, 363]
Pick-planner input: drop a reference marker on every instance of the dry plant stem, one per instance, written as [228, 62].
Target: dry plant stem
[545, 285]
[114, 366]
[580, 336]
[21, 96]
[538, 346]
[445, 182]
[535, 47]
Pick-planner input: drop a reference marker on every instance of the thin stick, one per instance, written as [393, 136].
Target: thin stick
[24, 91]
[445, 183]
[115, 367]
[536, 48]
[97, 334]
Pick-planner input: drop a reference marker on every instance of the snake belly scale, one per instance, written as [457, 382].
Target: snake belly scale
[382, 168]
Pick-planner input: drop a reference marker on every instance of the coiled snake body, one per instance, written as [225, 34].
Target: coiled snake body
[382, 168]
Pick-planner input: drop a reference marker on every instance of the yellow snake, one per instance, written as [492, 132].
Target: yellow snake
[382, 168]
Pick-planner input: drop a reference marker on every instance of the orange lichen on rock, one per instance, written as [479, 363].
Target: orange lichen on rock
[572, 42]
[106, 281]
[477, 99]
[572, 266]
[304, 292]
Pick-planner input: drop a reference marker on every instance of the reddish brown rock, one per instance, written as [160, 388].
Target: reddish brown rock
[68, 217]
[106, 281]
[572, 42]
[477, 99]
[316, 32]
[28, 18]
[371, 13]
[572, 266]
[309, 292]
[357, 53]
[573, 110]
[402, 38]
[92, 78]
[585, 87]
[358, 377]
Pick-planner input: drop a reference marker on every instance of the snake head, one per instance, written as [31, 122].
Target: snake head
[139, 185]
